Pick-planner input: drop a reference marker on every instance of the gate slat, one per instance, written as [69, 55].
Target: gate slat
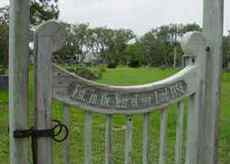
[145, 155]
[192, 130]
[66, 149]
[128, 141]
[179, 133]
[163, 137]
[88, 138]
[108, 140]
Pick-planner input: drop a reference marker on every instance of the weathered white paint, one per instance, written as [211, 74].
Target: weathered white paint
[50, 38]
[145, 155]
[108, 140]
[179, 133]
[66, 149]
[88, 138]
[213, 32]
[194, 46]
[192, 146]
[18, 78]
[163, 137]
[128, 141]
[66, 85]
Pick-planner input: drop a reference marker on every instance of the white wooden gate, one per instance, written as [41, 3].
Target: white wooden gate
[55, 82]
[194, 82]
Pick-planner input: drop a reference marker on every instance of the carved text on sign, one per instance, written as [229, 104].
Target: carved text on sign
[102, 98]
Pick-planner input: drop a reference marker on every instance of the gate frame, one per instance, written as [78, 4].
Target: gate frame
[213, 13]
[18, 78]
[19, 72]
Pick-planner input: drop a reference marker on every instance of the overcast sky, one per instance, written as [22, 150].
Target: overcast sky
[138, 15]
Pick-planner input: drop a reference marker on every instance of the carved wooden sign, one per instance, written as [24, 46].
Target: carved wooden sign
[80, 92]
[103, 98]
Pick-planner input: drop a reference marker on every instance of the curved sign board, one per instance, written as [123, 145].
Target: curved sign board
[74, 90]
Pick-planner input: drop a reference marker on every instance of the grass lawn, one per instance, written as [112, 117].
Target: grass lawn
[122, 76]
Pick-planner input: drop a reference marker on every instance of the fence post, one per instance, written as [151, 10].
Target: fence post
[194, 47]
[49, 38]
[18, 78]
[213, 32]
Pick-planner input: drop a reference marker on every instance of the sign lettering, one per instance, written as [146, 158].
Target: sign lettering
[102, 98]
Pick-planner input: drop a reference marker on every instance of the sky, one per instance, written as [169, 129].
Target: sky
[138, 15]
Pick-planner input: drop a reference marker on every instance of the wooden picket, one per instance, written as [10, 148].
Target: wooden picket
[163, 137]
[146, 142]
[129, 141]
[108, 140]
[179, 133]
[88, 138]
[66, 149]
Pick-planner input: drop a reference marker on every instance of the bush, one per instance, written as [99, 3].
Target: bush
[112, 65]
[85, 72]
[134, 63]
[102, 68]
[2, 70]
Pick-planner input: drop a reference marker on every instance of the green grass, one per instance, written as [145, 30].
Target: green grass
[130, 76]
[4, 142]
[122, 76]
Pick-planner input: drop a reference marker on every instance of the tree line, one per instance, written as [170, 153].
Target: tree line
[102, 45]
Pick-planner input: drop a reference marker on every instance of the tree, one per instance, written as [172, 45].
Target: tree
[40, 10]
[77, 44]
[191, 27]
[4, 39]
[117, 46]
[101, 44]
[4, 36]
[226, 50]
[43, 10]
[4, 16]
[157, 47]
[134, 54]
[170, 35]
[161, 44]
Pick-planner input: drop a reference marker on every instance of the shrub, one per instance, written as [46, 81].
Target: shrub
[135, 55]
[112, 65]
[85, 72]
[102, 68]
[134, 63]
[2, 70]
